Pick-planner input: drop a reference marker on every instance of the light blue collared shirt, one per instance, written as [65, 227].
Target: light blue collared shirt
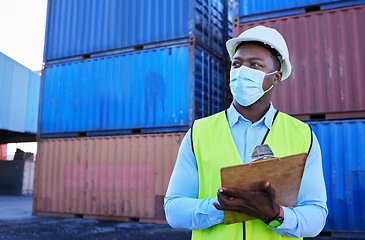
[184, 210]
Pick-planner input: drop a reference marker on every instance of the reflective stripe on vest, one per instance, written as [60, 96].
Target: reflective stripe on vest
[214, 148]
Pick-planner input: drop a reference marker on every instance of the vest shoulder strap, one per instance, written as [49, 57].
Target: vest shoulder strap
[288, 136]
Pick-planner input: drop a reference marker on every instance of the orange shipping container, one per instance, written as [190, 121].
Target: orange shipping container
[115, 177]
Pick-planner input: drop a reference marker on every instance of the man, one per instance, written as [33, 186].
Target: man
[195, 200]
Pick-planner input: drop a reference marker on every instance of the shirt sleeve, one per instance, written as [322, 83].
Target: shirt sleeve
[308, 218]
[182, 207]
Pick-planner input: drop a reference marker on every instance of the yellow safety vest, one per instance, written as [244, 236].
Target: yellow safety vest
[214, 148]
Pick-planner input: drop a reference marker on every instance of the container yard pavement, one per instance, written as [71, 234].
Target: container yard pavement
[17, 222]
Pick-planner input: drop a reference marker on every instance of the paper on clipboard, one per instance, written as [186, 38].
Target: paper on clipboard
[284, 174]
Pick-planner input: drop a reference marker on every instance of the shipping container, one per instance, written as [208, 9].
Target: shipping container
[116, 177]
[19, 97]
[17, 177]
[327, 53]
[343, 157]
[3, 151]
[154, 90]
[77, 28]
[230, 15]
[28, 177]
[248, 10]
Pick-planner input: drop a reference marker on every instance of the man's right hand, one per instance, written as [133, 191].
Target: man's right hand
[260, 204]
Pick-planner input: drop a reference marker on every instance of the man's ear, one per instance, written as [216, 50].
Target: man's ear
[277, 77]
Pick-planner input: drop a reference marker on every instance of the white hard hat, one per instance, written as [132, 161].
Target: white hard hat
[268, 36]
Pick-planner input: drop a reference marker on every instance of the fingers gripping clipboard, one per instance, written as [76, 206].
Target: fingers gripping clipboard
[284, 174]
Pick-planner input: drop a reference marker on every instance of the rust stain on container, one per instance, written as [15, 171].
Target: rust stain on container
[328, 57]
[114, 177]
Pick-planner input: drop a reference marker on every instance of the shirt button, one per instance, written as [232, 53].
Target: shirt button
[251, 127]
[219, 220]
[249, 154]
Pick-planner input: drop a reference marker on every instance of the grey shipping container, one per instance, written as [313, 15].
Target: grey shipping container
[75, 28]
[154, 90]
[17, 177]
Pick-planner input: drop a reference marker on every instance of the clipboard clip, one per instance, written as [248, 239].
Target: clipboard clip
[262, 152]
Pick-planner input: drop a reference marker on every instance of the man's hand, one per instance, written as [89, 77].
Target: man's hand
[259, 204]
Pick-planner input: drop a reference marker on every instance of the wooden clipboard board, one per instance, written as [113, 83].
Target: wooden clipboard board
[284, 174]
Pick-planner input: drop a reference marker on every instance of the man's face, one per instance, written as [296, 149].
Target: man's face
[257, 57]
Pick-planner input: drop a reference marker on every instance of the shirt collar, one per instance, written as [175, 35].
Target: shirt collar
[234, 116]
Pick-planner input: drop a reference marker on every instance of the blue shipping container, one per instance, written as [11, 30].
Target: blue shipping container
[249, 10]
[19, 96]
[154, 90]
[77, 27]
[343, 156]
[229, 18]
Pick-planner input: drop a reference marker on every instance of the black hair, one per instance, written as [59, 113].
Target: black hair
[274, 53]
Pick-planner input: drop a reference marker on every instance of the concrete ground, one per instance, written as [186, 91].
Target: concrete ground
[17, 222]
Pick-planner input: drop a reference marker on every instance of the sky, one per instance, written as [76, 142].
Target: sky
[22, 27]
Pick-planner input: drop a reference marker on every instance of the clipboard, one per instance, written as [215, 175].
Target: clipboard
[284, 174]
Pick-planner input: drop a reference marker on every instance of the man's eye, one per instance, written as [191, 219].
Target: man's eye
[256, 64]
[236, 64]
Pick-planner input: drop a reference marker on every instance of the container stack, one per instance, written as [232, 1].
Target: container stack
[325, 40]
[19, 102]
[122, 82]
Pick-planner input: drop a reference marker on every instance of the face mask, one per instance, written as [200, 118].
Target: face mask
[246, 85]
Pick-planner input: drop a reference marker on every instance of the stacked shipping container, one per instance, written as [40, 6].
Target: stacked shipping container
[79, 28]
[257, 10]
[326, 78]
[146, 91]
[327, 54]
[110, 177]
[19, 101]
[136, 74]
[150, 62]
[343, 157]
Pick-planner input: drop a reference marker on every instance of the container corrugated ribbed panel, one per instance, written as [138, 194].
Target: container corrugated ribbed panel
[134, 90]
[119, 176]
[343, 154]
[257, 10]
[88, 26]
[209, 84]
[19, 96]
[230, 15]
[161, 89]
[32, 103]
[327, 54]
